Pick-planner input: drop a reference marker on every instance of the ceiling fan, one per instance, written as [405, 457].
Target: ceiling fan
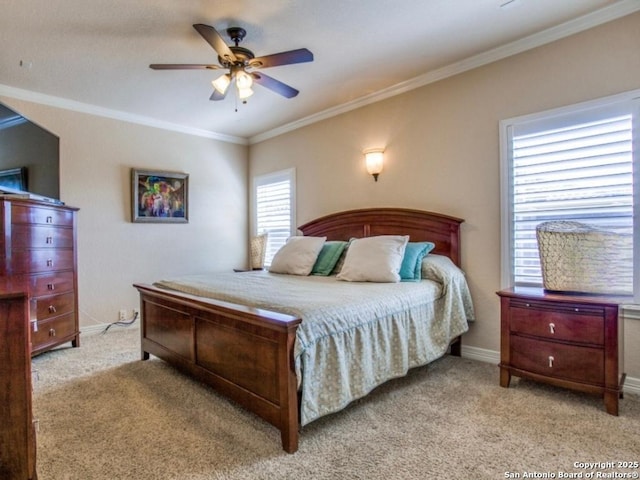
[240, 63]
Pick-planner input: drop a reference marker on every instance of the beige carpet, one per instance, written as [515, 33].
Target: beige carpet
[104, 414]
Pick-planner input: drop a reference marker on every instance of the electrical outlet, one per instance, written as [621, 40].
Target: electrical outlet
[136, 312]
[123, 314]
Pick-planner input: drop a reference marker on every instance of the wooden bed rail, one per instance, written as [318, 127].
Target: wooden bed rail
[244, 353]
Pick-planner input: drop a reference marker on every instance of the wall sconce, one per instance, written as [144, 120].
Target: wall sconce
[374, 159]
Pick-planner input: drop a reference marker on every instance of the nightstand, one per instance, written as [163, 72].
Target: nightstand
[567, 340]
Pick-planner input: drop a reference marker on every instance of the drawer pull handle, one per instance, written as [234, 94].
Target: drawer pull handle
[49, 219]
[49, 240]
[51, 286]
[52, 332]
[52, 309]
[527, 304]
[552, 328]
[551, 361]
[49, 262]
[576, 309]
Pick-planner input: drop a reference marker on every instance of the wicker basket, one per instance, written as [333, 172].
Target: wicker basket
[576, 257]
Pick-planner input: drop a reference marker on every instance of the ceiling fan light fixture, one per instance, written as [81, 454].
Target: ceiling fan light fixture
[222, 83]
[244, 93]
[243, 80]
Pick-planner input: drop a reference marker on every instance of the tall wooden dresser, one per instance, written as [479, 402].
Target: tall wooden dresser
[17, 433]
[38, 246]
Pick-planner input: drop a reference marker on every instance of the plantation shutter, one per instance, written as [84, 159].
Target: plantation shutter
[576, 167]
[274, 211]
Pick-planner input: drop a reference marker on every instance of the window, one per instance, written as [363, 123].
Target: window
[274, 212]
[574, 163]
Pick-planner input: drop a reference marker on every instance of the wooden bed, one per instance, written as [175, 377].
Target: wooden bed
[247, 353]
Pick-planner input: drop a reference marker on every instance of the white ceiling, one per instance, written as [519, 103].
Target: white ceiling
[94, 55]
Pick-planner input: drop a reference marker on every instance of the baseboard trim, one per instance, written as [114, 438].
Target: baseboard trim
[481, 354]
[631, 384]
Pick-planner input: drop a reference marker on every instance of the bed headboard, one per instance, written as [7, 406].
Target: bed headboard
[421, 226]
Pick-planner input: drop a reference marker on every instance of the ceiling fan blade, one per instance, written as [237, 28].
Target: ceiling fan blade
[300, 55]
[214, 39]
[216, 95]
[275, 85]
[183, 66]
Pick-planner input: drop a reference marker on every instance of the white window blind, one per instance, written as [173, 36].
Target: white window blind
[574, 167]
[274, 200]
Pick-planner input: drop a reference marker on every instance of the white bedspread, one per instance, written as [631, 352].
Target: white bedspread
[353, 336]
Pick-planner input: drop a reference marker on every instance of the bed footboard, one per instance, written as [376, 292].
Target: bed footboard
[244, 353]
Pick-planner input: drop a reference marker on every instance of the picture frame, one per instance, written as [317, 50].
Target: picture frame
[14, 179]
[159, 196]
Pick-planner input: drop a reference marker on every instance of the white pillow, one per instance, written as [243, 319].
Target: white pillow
[297, 256]
[374, 259]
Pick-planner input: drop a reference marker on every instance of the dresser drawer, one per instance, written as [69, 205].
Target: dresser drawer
[53, 305]
[41, 236]
[571, 362]
[49, 284]
[574, 324]
[41, 215]
[50, 331]
[36, 261]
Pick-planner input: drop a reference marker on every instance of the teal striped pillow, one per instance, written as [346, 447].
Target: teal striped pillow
[411, 268]
[328, 257]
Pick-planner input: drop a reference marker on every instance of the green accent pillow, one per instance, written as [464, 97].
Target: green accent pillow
[328, 257]
[411, 268]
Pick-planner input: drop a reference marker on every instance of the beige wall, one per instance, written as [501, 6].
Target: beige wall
[442, 149]
[97, 155]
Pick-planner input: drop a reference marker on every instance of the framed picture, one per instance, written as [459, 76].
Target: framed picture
[14, 179]
[159, 197]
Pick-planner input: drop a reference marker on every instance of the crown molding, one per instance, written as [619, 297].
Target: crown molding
[66, 104]
[599, 17]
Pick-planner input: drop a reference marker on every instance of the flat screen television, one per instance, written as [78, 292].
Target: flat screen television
[29, 157]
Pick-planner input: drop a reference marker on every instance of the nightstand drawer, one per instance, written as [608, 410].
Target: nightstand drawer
[574, 324]
[571, 362]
